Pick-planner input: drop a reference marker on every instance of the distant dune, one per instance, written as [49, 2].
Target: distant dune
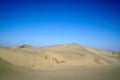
[59, 56]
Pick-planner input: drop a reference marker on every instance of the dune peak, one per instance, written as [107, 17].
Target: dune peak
[73, 45]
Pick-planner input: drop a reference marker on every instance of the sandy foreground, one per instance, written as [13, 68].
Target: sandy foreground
[60, 62]
[10, 72]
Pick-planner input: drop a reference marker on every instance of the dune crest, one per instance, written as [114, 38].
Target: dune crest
[59, 56]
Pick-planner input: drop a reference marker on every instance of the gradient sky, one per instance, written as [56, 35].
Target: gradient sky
[93, 23]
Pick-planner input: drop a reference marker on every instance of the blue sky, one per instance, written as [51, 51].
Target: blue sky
[93, 23]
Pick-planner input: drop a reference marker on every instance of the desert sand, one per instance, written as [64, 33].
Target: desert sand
[60, 62]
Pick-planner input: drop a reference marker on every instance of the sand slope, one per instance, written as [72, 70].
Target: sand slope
[59, 56]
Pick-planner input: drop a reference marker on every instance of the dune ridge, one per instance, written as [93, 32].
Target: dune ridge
[58, 56]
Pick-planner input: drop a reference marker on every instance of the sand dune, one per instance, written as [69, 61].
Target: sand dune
[59, 56]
